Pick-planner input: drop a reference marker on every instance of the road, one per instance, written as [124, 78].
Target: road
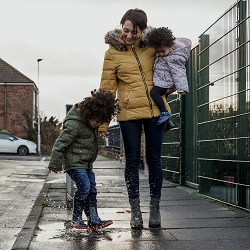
[21, 180]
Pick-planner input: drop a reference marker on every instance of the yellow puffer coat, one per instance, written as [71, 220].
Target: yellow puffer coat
[122, 76]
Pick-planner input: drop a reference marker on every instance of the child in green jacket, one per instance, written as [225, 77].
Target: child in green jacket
[76, 149]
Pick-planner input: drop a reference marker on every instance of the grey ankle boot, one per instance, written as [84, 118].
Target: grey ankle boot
[154, 214]
[136, 221]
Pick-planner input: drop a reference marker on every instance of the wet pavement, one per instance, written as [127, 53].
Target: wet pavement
[189, 221]
[20, 185]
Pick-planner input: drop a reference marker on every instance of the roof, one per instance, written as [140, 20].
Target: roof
[9, 74]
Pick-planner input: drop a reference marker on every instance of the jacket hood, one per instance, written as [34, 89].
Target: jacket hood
[113, 38]
[73, 114]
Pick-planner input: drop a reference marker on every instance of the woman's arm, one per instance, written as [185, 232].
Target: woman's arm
[108, 78]
[109, 82]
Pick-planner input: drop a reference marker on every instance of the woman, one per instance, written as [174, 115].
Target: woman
[128, 71]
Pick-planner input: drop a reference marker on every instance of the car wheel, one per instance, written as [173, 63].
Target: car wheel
[22, 150]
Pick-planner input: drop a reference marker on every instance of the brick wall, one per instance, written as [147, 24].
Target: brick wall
[19, 99]
[1, 107]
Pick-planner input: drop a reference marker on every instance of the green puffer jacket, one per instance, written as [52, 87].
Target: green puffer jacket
[76, 146]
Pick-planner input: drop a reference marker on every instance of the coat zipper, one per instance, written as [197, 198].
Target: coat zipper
[143, 79]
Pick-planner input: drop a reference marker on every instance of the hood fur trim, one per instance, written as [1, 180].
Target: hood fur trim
[113, 38]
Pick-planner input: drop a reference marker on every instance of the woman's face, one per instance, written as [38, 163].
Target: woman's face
[129, 35]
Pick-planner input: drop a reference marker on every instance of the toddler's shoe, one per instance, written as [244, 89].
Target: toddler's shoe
[164, 117]
[169, 126]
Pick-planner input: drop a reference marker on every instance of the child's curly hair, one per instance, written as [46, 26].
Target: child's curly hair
[101, 106]
[160, 37]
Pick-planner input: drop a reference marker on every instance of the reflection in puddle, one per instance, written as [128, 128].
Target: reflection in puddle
[70, 233]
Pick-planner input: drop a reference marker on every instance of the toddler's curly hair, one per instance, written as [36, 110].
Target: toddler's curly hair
[101, 106]
[160, 37]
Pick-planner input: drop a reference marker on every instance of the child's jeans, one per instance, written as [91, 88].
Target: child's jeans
[85, 196]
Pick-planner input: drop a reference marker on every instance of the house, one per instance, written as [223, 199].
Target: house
[18, 100]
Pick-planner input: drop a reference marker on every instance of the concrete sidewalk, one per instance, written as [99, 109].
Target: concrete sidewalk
[189, 221]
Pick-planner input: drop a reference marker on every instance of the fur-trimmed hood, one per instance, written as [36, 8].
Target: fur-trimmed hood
[113, 38]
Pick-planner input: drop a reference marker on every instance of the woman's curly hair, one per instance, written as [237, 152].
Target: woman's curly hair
[101, 106]
[160, 37]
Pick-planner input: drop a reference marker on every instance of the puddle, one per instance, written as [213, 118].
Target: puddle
[63, 232]
[69, 234]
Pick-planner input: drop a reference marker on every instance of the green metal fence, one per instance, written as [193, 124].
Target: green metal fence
[210, 147]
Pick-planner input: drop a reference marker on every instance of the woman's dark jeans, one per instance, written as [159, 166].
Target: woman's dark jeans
[131, 132]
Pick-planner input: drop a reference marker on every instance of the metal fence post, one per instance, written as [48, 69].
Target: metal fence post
[69, 191]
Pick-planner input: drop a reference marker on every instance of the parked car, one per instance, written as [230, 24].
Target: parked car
[12, 144]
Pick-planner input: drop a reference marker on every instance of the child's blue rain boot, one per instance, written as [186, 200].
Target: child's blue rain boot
[77, 221]
[164, 117]
[94, 221]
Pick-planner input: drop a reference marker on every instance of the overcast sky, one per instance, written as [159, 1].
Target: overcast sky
[69, 36]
